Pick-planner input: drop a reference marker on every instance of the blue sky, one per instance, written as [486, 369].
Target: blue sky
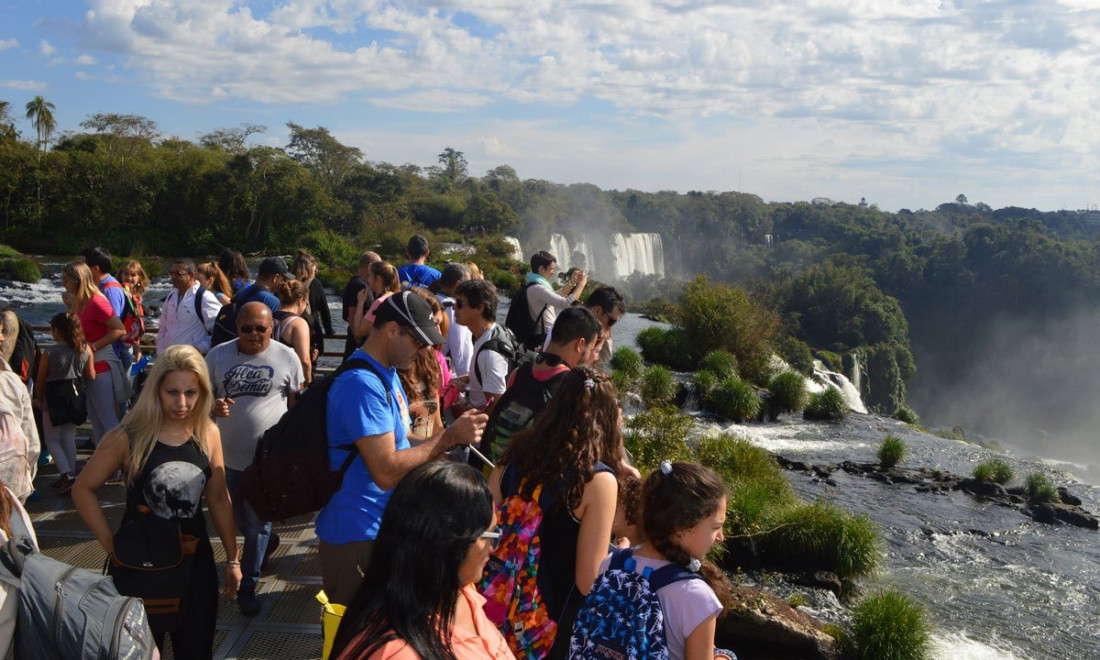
[905, 102]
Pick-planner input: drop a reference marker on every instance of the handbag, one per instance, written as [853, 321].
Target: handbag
[152, 561]
[66, 401]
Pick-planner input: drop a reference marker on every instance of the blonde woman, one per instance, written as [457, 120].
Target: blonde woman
[291, 327]
[111, 388]
[170, 454]
[212, 278]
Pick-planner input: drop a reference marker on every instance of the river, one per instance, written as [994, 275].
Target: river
[996, 584]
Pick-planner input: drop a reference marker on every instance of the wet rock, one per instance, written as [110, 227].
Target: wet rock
[1067, 498]
[982, 488]
[1043, 513]
[833, 483]
[1072, 515]
[758, 624]
[818, 580]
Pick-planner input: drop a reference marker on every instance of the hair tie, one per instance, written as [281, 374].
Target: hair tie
[666, 468]
[589, 383]
[694, 565]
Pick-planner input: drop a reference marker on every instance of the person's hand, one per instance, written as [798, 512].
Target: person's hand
[313, 354]
[362, 296]
[232, 579]
[221, 407]
[467, 429]
[622, 543]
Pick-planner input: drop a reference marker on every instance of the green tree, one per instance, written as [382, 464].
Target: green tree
[231, 140]
[453, 168]
[323, 154]
[40, 112]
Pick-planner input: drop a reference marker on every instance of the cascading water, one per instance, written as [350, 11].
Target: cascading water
[637, 252]
[559, 247]
[823, 378]
[517, 249]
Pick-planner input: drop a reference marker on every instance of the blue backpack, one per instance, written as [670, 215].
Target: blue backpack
[622, 618]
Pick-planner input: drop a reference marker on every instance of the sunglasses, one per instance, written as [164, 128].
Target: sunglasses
[249, 329]
[493, 535]
[179, 273]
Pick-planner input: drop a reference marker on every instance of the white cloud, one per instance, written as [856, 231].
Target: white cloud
[85, 60]
[25, 85]
[45, 48]
[903, 82]
[5, 44]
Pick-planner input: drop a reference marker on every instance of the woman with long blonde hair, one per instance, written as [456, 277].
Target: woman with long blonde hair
[111, 388]
[210, 275]
[170, 455]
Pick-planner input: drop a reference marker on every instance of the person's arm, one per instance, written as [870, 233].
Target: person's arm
[387, 465]
[699, 645]
[299, 341]
[89, 363]
[40, 381]
[210, 308]
[494, 484]
[109, 457]
[359, 323]
[539, 296]
[321, 308]
[115, 331]
[596, 513]
[221, 508]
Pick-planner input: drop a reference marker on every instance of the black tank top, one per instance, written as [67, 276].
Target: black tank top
[171, 485]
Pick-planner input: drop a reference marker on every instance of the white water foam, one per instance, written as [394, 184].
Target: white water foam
[959, 646]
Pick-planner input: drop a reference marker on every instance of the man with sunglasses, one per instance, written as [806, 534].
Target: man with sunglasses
[608, 306]
[367, 413]
[183, 320]
[254, 380]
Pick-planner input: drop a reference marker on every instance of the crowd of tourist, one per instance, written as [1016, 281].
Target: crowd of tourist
[465, 446]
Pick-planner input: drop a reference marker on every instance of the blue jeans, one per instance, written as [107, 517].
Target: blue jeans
[255, 531]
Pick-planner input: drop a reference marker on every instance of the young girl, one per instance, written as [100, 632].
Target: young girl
[291, 328]
[68, 359]
[384, 282]
[684, 510]
[135, 283]
[210, 275]
[565, 462]
[170, 453]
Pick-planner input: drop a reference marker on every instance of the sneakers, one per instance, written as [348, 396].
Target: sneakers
[65, 484]
[248, 602]
[272, 545]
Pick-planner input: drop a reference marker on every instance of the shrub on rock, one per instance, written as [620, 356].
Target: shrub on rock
[628, 361]
[788, 392]
[1040, 488]
[737, 400]
[658, 387]
[891, 452]
[888, 626]
[827, 405]
[995, 471]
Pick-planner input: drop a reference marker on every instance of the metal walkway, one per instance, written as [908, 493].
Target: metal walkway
[288, 625]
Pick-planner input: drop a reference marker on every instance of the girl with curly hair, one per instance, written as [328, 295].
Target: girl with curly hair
[568, 456]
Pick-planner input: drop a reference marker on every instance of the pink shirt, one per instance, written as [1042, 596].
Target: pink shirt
[486, 643]
[93, 319]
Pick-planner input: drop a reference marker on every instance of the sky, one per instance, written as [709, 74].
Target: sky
[907, 103]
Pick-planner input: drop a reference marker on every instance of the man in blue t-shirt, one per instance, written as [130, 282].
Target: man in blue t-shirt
[374, 416]
[416, 273]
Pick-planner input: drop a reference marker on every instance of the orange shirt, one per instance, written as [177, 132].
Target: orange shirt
[486, 643]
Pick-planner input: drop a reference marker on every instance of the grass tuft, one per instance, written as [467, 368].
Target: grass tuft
[1041, 489]
[628, 361]
[888, 626]
[891, 452]
[820, 536]
[722, 364]
[788, 392]
[907, 415]
[658, 387]
[737, 400]
[994, 471]
[827, 405]
[656, 435]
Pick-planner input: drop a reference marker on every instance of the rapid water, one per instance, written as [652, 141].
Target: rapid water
[996, 583]
[625, 254]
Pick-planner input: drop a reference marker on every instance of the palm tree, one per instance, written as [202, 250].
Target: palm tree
[40, 112]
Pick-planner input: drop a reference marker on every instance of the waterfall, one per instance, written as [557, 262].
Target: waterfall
[637, 252]
[559, 247]
[824, 378]
[517, 249]
[585, 248]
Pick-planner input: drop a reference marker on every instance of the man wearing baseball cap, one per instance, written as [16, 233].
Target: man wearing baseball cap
[367, 408]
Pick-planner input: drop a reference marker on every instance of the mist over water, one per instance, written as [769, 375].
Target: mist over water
[1032, 383]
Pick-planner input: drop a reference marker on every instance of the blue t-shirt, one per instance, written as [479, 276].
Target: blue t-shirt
[116, 295]
[417, 275]
[357, 408]
[259, 293]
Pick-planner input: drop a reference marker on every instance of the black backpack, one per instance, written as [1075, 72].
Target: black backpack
[519, 319]
[23, 358]
[290, 474]
[225, 323]
[517, 407]
[503, 342]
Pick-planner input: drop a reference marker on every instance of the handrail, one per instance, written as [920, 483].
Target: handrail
[148, 340]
